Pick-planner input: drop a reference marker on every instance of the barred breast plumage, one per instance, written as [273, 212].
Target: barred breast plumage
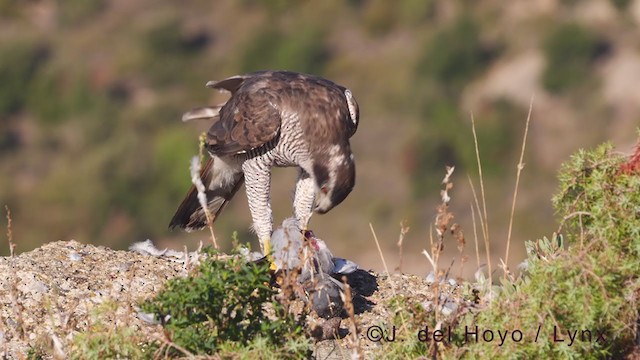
[275, 118]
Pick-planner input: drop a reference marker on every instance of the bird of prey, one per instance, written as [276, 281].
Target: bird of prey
[275, 118]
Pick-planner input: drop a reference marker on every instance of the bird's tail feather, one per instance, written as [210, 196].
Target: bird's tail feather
[190, 215]
[211, 113]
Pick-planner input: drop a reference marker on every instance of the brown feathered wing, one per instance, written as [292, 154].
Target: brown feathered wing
[248, 122]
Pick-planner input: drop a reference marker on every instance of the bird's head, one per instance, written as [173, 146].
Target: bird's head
[334, 180]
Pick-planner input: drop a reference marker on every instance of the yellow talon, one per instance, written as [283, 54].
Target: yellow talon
[266, 245]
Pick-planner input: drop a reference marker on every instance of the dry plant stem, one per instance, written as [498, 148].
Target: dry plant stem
[167, 343]
[404, 229]
[515, 191]
[202, 197]
[442, 226]
[12, 246]
[484, 220]
[348, 304]
[571, 216]
[486, 240]
[441, 223]
[484, 199]
[386, 269]
[458, 235]
[475, 234]
[581, 232]
[375, 238]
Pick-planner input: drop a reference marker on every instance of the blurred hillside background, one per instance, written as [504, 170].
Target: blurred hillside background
[91, 93]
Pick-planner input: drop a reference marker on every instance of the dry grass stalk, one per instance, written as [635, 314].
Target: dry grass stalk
[484, 219]
[12, 245]
[404, 229]
[475, 234]
[484, 198]
[515, 191]
[375, 238]
[486, 240]
[386, 269]
[458, 235]
[202, 197]
[353, 324]
[442, 226]
[167, 345]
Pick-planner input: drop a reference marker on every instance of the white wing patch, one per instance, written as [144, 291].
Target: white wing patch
[353, 112]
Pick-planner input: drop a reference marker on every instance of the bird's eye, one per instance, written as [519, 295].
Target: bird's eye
[324, 190]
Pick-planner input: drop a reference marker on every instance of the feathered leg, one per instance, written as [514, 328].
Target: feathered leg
[303, 198]
[258, 184]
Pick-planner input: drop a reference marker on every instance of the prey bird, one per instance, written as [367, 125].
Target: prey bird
[275, 118]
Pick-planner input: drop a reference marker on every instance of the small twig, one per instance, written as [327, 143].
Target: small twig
[202, 196]
[505, 270]
[486, 240]
[404, 229]
[515, 192]
[386, 269]
[446, 273]
[458, 234]
[12, 245]
[475, 234]
[442, 221]
[574, 214]
[348, 305]
[484, 220]
[431, 261]
[166, 342]
[384, 263]
[581, 232]
[571, 215]
[484, 199]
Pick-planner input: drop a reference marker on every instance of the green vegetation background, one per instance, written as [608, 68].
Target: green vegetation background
[91, 93]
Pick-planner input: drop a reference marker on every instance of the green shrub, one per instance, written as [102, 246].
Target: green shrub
[221, 308]
[380, 17]
[303, 50]
[9, 8]
[19, 62]
[73, 12]
[58, 96]
[584, 280]
[621, 4]
[272, 7]
[170, 50]
[570, 51]
[456, 55]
